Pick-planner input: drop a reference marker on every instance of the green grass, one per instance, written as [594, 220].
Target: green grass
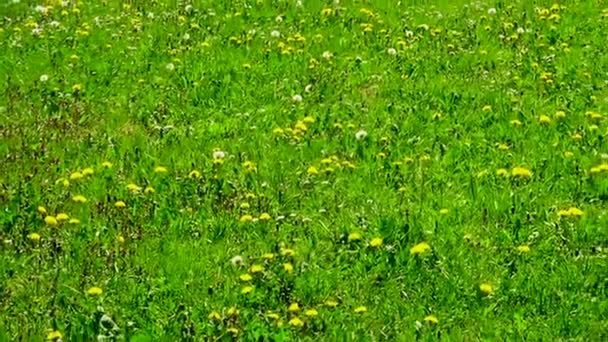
[448, 117]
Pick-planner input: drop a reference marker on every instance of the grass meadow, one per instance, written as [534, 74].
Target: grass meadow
[303, 170]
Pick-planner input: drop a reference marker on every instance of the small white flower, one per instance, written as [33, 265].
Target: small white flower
[492, 11]
[521, 30]
[327, 55]
[41, 9]
[188, 8]
[275, 34]
[296, 98]
[219, 155]
[37, 31]
[170, 66]
[279, 19]
[54, 23]
[409, 33]
[391, 51]
[308, 88]
[186, 36]
[360, 135]
[44, 78]
[237, 260]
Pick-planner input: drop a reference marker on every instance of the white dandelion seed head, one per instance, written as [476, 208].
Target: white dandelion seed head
[521, 30]
[492, 11]
[188, 8]
[44, 78]
[297, 98]
[279, 19]
[275, 34]
[327, 55]
[219, 155]
[237, 260]
[54, 23]
[186, 36]
[170, 66]
[37, 31]
[409, 33]
[308, 88]
[41, 9]
[391, 51]
[361, 134]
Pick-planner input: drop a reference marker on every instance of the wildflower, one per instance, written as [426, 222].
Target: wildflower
[544, 120]
[278, 131]
[312, 171]
[232, 311]
[523, 248]
[247, 289]
[311, 313]
[360, 309]
[296, 98]
[287, 252]
[246, 277]
[502, 172]
[376, 242]
[120, 204]
[486, 289]
[516, 123]
[79, 199]
[354, 236]
[41, 210]
[275, 34]
[391, 51]
[120, 239]
[54, 335]
[94, 291]
[149, 190]
[272, 315]
[194, 174]
[237, 260]
[62, 217]
[218, 154]
[294, 307]
[133, 187]
[331, 303]
[327, 55]
[560, 114]
[420, 248]
[486, 108]
[233, 330]
[575, 212]
[249, 166]
[268, 256]
[76, 88]
[50, 220]
[431, 319]
[170, 66]
[214, 316]
[492, 11]
[521, 172]
[87, 171]
[76, 176]
[245, 205]
[256, 269]
[288, 267]
[246, 218]
[360, 135]
[264, 217]
[34, 237]
[296, 322]
[160, 169]
[44, 78]
[74, 221]
[444, 211]
[326, 11]
[106, 164]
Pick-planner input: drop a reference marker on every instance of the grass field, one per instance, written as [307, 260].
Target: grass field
[303, 170]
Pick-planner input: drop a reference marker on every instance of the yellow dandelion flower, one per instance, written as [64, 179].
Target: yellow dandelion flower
[34, 237]
[214, 316]
[120, 239]
[560, 114]
[521, 172]
[88, 171]
[194, 174]
[41, 210]
[233, 311]
[107, 165]
[76, 175]
[62, 217]
[278, 131]
[312, 171]
[544, 120]
[79, 199]
[149, 190]
[246, 277]
[563, 213]
[420, 248]
[246, 218]
[360, 309]
[288, 267]
[120, 204]
[160, 169]
[54, 335]
[247, 289]
[296, 322]
[94, 291]
[431, 319]
[50, 220]
[264, 217]
[245, 205]
[523, 248]
[273, 315]
[486, 108]
[376, 242]
[311, 313]
[77, 88]
[444, 211]
[63, 182]
[256, 269]
[516, 123]
[573, 211]
[232, 330]
[355, 236]
[502, 172]
[486, 289]
[331, 303]
[74, 221]
[268, 256]
[287, 252]
[133, 187]
[294, 307]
